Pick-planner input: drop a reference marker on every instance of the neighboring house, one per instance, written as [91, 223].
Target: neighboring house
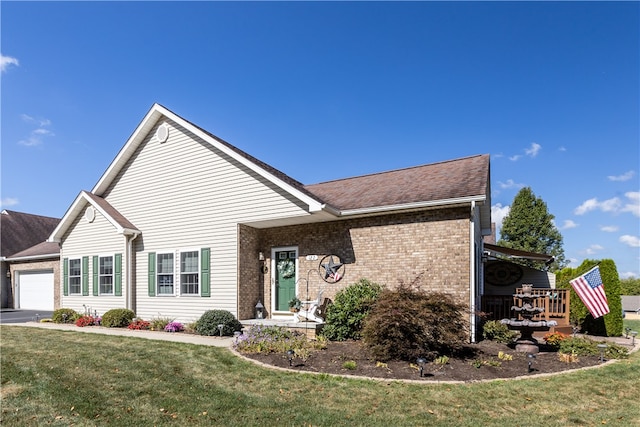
[631, 306]
[30, 266]
[182, 222]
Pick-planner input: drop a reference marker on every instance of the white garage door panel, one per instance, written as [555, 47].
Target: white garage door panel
[36, 291]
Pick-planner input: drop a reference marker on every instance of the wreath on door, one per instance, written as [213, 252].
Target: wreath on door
[286, 268]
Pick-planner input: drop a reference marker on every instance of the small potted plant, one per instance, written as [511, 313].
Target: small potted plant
[294, 305]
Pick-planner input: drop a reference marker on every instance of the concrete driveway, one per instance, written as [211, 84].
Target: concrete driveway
[20, 316]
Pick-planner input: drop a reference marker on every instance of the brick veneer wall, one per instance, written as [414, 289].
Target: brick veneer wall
[385, 249]
[27, 266]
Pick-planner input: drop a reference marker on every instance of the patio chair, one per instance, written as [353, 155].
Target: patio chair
[310, 309]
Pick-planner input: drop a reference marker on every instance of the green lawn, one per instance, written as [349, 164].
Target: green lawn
[68, 378]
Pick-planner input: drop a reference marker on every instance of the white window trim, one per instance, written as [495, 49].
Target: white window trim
[79, 276]
[198, 251]
[173, 253]
[113, 275]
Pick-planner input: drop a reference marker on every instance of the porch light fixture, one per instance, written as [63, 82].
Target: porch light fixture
[633, 337]
[421, 362]
[531, 358]
[220, 327]
[290, 354]
[259, 310]
[8, 274]
[261, 256]
[602, 348]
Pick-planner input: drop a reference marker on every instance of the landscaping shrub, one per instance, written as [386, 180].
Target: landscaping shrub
[585, 347]
[344, 317]
[406, 323]
[554, 339]
[85, 321]
[493, 330]
[139, 325]
[159, 323]
[118, 318]
[209, 321]
[274, 339]
[174, 327]
[65, 315]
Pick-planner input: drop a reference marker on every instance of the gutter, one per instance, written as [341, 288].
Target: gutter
[461, 201]
[32, 257]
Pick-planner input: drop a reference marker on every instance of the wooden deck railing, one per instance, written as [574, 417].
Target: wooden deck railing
[555, 304]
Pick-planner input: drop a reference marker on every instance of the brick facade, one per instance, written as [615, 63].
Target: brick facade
[18, 267]
[387, 249]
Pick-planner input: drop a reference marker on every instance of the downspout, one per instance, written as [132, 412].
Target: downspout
[472, 271]
[129, 248]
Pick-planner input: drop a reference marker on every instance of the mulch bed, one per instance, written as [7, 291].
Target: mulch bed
[481, 362]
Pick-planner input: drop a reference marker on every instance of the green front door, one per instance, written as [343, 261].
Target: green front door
[285, 272]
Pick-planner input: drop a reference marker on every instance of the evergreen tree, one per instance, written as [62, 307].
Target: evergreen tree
[529, 227]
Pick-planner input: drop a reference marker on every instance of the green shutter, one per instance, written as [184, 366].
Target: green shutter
[96, 278]
[85, 275]
[152, 274]
[65, 277]
[117, 288]
[205, 272]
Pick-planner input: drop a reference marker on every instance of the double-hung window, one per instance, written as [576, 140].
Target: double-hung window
[106, 275]
[75, 276]
[165, 274]
[189, 273]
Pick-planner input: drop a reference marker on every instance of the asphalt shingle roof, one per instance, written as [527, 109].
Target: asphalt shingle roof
[437, 181]
[21, 231]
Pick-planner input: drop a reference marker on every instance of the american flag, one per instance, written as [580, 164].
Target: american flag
[590, 289]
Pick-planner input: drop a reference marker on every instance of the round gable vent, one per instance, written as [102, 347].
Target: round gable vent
[162, 133]
[90, 214]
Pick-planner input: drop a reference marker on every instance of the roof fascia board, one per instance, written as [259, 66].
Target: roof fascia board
[74, 210]
[32, 257]
[150, 120]
[413, 206]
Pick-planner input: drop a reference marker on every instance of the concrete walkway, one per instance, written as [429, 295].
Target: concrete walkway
[124, 332]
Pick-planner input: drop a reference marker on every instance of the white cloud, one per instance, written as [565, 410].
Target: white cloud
[6, 61]
[609, 228]
[568, 224]
[610, 205]
[593, 249]
[8, 201]
[515, 158]
[36, 136]
[634, 203]
[633, 241]
[562, 148]
[627, 275]
[624, 177]
[509, 184]
[534, 150]
[498, 212]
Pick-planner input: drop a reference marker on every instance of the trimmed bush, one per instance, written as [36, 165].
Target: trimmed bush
[607, 325]
[118, 318]
[406, 323]
[344, 317]
[493, 330]
[209, 321]
[65, 315]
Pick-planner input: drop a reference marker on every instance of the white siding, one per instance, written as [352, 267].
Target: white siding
[184, 194]
[88, 239]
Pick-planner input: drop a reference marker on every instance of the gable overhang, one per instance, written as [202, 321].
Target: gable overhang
[76, 209]
[157, 113]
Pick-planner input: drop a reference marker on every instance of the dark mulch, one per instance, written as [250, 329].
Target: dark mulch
[480, 362]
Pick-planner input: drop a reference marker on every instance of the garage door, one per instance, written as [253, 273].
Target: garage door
[35, 291]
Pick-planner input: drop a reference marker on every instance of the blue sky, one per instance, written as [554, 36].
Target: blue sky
[330, 90]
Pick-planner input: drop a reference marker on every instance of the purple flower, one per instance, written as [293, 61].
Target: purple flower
[174, 327]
